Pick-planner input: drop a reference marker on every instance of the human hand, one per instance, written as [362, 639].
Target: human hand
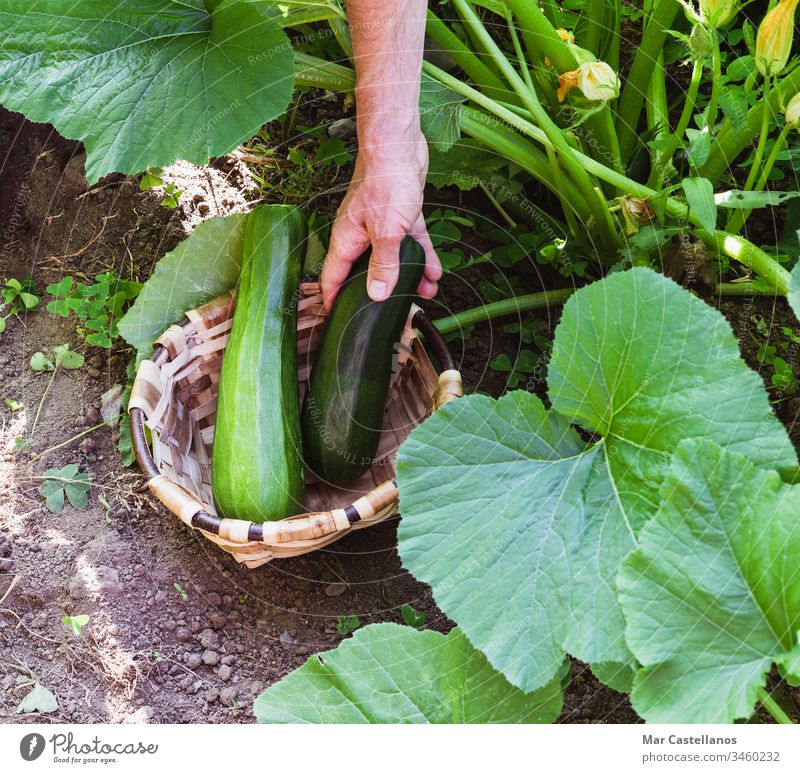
[382, 205]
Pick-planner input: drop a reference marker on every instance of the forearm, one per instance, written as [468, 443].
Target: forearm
[387, 46]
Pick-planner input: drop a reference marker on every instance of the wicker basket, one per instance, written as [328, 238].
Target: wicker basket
[175, 395]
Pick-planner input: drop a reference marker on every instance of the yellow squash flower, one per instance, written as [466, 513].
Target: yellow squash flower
[598, 81]
[793, 111]
[716, 13]
[774, 38]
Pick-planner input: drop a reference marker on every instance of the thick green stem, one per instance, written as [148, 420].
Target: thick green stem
[503, 308]
[474, 68]
[487, 129]
[312, 71]
[741, 288]
[763, 135]
[522, 303]
[656, 104]
[731, 140]
[608, 237]
[749, 255]
[341, 32]
[657, 175]
[609, 46]
[515, 148]
[540, 36]
[716, 82]
[740, 217]
[631, 100]
[306, 13]
[594, 25]
[772, 707]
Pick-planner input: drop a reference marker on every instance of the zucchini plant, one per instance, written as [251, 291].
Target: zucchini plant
[661, 551]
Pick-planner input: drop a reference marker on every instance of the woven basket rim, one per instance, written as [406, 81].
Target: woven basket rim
[201, 520]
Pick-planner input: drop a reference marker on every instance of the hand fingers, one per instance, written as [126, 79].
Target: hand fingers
[384, 267]
[433, 268]
[427, 289]
[347, 243]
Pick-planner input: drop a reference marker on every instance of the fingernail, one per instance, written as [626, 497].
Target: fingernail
[377, 289]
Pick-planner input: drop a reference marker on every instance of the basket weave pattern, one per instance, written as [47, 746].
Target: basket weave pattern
[176, 392]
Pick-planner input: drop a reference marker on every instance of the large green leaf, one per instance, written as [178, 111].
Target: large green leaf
[145, 83]
[712, 594]
[201, 267]
[466, 164]
[519, 526]
[389, 673]
[439, 113]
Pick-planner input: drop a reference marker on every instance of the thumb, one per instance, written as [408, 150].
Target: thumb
[384, 267]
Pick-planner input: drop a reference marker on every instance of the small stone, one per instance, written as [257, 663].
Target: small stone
[286, 638]
[209, 639]
[224, 673]
[335, 589]
[228, 659]
[227, 695]
[183, 634]
[194, 660]
[217, 620]
[212, 695]
[214, 599]
[210, 658]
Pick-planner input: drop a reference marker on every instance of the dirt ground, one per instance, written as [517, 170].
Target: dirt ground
[178, 631]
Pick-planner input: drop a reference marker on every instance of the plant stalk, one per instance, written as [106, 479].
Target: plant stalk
[502, 308]
[740, 217]
[657, 174]
[629, 107]
[772, 707]
[474, 68]
[521, 303]
[608, 237]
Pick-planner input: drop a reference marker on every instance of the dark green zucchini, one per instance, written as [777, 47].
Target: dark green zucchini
[257, 467]
[343, 409]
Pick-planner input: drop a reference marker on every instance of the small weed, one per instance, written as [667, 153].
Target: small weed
[782, 377]
[98, 306]
[172, 196]
[66, 481]
[181, 592]
[412, 617]
[518, 370]
[18, 296]
[63, 357]
[152, 179]
[346, 624]
[443, 228]
[13, 405]
[75, 623]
